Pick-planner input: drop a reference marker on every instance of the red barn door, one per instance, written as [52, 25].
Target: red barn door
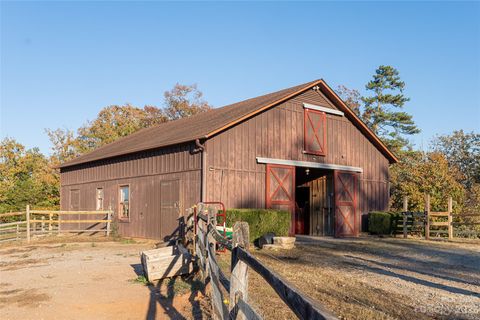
[346, 194]
[280, 189]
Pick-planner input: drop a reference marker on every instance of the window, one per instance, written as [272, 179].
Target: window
[99, 205]
[315, 132]
[124, 212]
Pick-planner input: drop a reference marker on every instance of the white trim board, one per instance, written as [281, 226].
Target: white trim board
[323, 109]
[309, 164]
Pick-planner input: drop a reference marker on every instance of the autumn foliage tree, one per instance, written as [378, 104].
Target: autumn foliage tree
[419, 173]
[26, 177]
[114, 122]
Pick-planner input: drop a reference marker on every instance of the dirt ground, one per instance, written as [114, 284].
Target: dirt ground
[89, 280]
[372, 278]
[365, 278]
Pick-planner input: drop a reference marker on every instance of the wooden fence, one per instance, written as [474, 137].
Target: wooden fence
[431, 222]
[44, 222]
[207, 238]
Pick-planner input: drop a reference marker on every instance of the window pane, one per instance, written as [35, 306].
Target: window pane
[124, 201]
[124, 194]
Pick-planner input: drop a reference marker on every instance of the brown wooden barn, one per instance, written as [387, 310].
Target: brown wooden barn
[300, 149]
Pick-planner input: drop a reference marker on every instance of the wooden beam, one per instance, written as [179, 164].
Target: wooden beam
[309, 164]
[323, 109]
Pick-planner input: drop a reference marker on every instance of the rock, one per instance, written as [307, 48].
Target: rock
[284, 242]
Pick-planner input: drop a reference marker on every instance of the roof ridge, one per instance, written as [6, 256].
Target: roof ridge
[84, 157]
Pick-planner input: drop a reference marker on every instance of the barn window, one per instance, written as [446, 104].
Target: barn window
[315, 132]
[124, 205]
[99, 205]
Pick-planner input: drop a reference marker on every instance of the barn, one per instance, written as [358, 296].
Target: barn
[299, 149]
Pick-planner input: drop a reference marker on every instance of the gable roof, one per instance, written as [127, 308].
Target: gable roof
[207, 124]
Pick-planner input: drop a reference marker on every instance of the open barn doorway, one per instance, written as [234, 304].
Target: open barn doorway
[314, 202]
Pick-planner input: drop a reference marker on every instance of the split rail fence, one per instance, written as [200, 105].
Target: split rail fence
[431, 222]
[29, 223]
[235, 287]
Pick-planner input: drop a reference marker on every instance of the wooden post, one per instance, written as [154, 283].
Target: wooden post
[109, 217]
[43, 224]
[28, 222]
[450, 219]
[50, 218]
[18, 231]
[405, 217]
[239, 277]
[427, 217]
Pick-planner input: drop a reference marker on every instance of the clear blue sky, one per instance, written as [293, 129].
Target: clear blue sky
[61, 62]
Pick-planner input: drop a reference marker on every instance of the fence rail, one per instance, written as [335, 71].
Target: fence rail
[49, 222]
[207, 238]
[424, 221]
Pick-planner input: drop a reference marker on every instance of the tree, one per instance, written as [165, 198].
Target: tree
[64, 145]
[114, 122]
[379, 114]
[462, 151]
[351, 97]
[419, 173]
[184, 101]
[26, 177]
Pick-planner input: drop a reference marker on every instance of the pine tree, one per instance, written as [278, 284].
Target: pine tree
[379, 112]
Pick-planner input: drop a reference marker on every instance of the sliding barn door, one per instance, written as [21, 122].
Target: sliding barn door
[346, 197]
[170, 210]
[280, 189]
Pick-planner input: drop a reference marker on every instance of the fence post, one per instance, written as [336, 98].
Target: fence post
[109, 217]
[450, 219]
[28, 222]
[50, 218]
[405, 217]
[427, 217]
[18, 231]
[43, 224]
[239, 277]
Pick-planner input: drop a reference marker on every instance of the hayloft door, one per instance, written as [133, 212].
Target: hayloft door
[346, 195]
[170, 224]
[280, 189]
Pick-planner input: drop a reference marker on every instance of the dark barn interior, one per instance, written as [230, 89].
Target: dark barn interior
[314, 202]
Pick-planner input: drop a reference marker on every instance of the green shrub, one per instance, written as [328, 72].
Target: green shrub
[383, 222]
[261, 221]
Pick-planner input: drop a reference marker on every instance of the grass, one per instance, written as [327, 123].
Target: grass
[128, 241]
[181, 286]
[141, 280]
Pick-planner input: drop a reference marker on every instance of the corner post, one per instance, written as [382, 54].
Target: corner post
[427, 217]
[28, 222]
[405, 210]
[239, 277]
[450, 219]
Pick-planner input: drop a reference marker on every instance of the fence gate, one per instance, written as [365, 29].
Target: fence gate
[346, 194]
[280, 189]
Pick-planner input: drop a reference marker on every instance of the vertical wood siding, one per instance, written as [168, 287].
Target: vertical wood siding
[144, 173]
[235, 177]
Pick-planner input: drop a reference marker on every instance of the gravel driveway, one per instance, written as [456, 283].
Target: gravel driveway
[373, 278]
